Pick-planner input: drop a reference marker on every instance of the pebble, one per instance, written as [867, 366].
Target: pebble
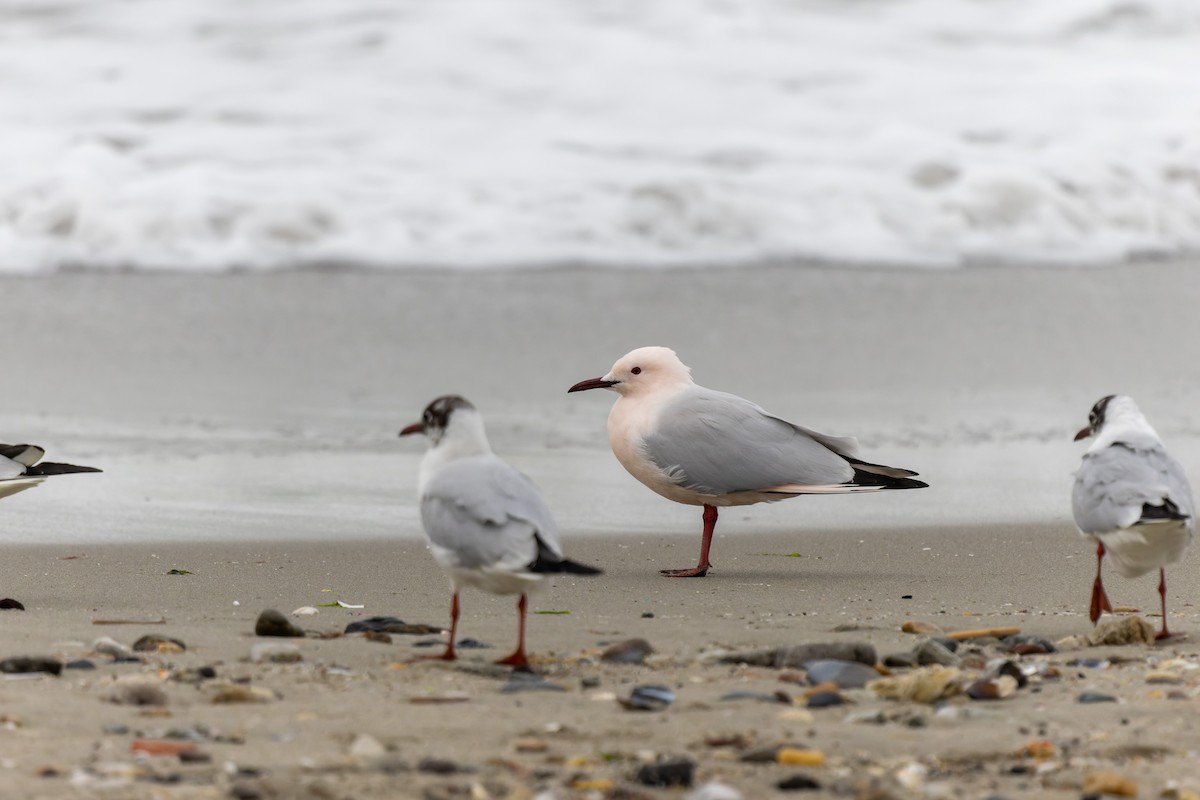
[1164, 676]
[160, 747]
[79, 663]
[931, 651]
[825, 700]
[798, 783]
[275, 653]
[115, 729]
[647, 615]
[996, 688]
[306, 611]
[1109, 783]
[1014, 671]
[920, 628]
[530, 744]
[630, 651]
[799, 655]
[1096, 697]
[799, 757]
[671, 772]
[713, 790]
[762, 697]
[390, 625]
[136, 693]
[846, 674]
[900, 660]
[1035, 645]
[273, 623]
[154, 643]
[366, 746]
[25, 664]
[8, 604]
[924, 685]
[648, 698]
[107, 646]
[441, 766]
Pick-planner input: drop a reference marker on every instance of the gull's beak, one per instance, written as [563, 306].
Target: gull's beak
[592, 383]
[1083, 434]
[416, 427]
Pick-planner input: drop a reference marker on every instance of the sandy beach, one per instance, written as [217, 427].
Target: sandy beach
[247, 428]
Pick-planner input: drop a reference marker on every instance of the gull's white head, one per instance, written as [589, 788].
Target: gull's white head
[1112, 416]
[647, 369]
[453, 420]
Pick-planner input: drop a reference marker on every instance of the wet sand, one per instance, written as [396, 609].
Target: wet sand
[247, 428]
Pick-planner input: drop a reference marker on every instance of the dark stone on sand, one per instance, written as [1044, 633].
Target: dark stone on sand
[273, 623]
[946, 642]
[390, 625]
[79, 663]
[1028, 644]
[846, 674]
[441, 766]
[461, 644]
[156, 643]
[901, 660]
[798, 783]
[932, 651]
[630, 651]
[761, 697]
[244, 791]
[648, 698]
[825, 700]
[764, 755]
[671, 772]
[647, 615]
[799, 655]
[1010, 669]
[24, 664]
[1096, 697]
[8, 604]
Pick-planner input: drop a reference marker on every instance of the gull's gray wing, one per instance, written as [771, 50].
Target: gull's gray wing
[481, 513]
[27, 454]
[1127, 482]
[717, 443]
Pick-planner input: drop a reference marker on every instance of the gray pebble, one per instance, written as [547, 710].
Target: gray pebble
[846, 674]
[1096, 697]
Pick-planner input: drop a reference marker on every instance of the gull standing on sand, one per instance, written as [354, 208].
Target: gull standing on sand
[20, 470]
[1132, 498]
[707, 448]
[486, 524]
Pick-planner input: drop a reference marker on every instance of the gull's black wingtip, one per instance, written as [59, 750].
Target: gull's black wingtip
[565, 566]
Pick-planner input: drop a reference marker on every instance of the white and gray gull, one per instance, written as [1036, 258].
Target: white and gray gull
[703, 447]
[20, 470]
[486, 524]
[1132, 497]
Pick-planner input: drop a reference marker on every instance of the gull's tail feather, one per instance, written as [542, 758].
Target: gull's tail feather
[18, 485]
[1167, 512]
[881, 470]
[52, 468]
[863, 476]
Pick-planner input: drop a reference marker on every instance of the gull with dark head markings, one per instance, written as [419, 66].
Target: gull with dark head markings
[486, 524]
[707, 448]
[1132, 497]
[20, 470]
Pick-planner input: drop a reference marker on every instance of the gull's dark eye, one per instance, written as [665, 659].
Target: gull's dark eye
[636, 370]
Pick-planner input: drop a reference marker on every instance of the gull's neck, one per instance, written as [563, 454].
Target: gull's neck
[464, 437]
[1123, 422]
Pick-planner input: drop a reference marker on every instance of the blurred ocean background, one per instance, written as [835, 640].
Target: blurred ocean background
[216, 135]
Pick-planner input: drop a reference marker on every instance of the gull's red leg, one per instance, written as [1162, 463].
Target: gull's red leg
[1162, 592]
[448, 654]
[701, 569]
[1100, 602]
[517, 659]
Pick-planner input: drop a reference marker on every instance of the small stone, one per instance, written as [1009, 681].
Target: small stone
[379, 637]
[79, 663]
[648, 698]
[115, 729]
[1033, 645]
[390, 625]
[154, 643]
[825, 700]
[933, 652]
[1012, 670]
[1126, 630]
[1109, 783]
[107, 646]
[900, 660]
[273, 623]
[237, 693]
[26, 664]
[441, 766]
[671, 772]
[8, 604]
[790, 676]
[846, 674]
[521, 681]
[647, 615]
[366, 746]
[630, 651]
[799, 655]
[1039, 749]
[306, 611]
[920, 628]
[160, 747]
[798, 783]
[799, 757]
[713, 791]
[136, 693]
[275, 653]
[762, 697]
[946, 642]
[1164, 676]
[530, 744]
[996, 688]
[1096, 697]
[1075, 641]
